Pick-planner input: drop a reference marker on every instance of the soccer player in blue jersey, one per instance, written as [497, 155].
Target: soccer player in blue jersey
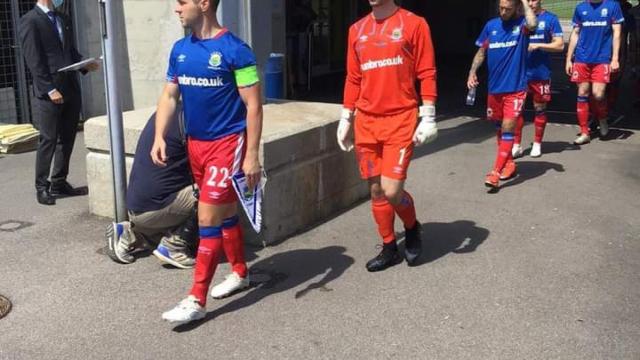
[547, 38]
[593, 54]
[216, 75]
[505, 42]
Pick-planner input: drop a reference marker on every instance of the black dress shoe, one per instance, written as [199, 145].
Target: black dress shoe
[389, 256]
[412, 244]
[45, 198]
[65, 189]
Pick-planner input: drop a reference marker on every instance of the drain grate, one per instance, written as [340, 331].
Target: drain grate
[13, 225]
[5, 306]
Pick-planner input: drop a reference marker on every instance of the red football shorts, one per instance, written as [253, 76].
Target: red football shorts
[540, 90]
[384, 144]
[505, 106]
[213, 162]
[593, 73]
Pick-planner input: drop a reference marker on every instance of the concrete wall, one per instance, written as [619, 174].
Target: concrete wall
[148, 30]
[87, 31]
[310, 179]
[152, 27]
[261, 23]
[89, 43]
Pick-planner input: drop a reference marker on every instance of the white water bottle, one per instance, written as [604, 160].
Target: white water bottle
[471, 97]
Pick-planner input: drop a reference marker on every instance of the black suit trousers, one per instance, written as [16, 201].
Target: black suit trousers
[58, 126]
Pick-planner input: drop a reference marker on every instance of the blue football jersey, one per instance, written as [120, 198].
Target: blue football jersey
[507, 44]
[539, 62]
[596, 34]
[207, 72]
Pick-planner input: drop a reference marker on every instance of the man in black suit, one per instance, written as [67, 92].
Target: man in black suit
[47, 42]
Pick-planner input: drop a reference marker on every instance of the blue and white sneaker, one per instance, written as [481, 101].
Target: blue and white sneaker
[119, 242]
[177, 258]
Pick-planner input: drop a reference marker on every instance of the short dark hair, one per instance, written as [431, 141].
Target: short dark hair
[214, 4]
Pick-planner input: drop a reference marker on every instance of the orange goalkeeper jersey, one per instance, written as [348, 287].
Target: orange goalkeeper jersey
[384, 60]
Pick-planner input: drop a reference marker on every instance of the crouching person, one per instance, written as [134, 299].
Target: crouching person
[161, 204]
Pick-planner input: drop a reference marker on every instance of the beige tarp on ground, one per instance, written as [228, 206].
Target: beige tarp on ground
[18, 138]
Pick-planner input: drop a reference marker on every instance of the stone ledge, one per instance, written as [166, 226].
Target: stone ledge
[310, 179]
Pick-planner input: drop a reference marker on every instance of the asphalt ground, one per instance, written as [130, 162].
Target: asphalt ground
[547, 268]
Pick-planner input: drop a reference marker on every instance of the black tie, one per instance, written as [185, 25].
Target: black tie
[54, 21]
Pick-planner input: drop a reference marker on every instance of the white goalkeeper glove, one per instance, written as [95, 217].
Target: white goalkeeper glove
[427, 131]
[344, 135]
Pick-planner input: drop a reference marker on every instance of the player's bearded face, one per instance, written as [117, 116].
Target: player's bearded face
[508, 9]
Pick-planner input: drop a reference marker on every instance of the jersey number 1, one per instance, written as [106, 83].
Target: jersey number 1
[402, 153]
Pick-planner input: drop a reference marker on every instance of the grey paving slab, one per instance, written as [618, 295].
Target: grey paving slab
[547, 268]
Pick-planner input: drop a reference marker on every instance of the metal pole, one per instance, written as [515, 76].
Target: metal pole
[76, 39]
[114, 111]
[246, 22]
[23, 94]
[310, 57]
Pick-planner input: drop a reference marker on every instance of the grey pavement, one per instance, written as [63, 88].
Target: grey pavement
[548, 268]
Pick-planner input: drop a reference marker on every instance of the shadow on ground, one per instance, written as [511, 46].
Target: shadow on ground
[528, 170]
[441, 239]
[285, 271]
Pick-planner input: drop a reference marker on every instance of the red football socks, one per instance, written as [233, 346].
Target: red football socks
[504, 151]
[583, 114]
[406, 210]
[518, 131]
[233, 245]
[384, 215]
[600, 109]
[206, 261]
[540, 123]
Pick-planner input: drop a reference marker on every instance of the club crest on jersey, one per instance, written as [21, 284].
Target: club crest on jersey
[604, 13]
[516, 30]
[541, 25]
[215, 60]
[182, 58]
[396, 34]
[364, 38]
[494, 33]
[584, 13]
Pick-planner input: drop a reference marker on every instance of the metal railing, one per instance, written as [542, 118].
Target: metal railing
[15, 80]
[14, 100]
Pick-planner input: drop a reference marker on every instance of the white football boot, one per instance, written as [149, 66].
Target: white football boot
[186, 311]
[231, 284]
[536, 150]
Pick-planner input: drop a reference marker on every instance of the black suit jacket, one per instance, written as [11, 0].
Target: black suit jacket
[44, 53]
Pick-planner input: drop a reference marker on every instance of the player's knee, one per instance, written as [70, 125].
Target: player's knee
[376, 191]
[393, 195]
[599, 96]
[583, 91]
[509, 125]
[209, 219]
